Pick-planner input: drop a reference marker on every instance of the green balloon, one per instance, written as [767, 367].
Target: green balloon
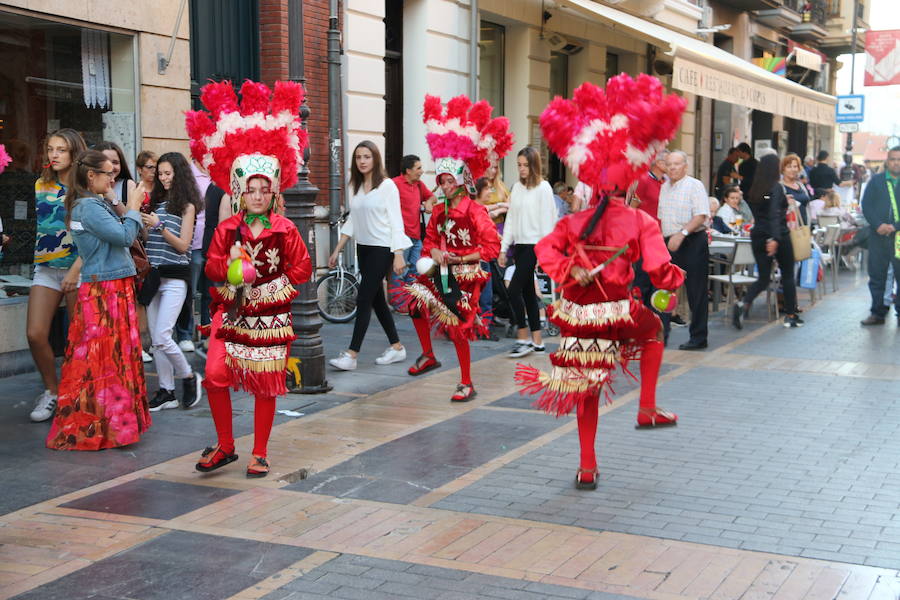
[235, 272]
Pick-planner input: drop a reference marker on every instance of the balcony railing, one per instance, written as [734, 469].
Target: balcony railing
[833, 8]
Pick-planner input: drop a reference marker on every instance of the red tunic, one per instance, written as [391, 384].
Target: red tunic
[258, 338]
[466, 229]
[601, 324]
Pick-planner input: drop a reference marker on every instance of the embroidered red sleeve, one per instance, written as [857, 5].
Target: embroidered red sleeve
[298, 266]
[431, 240]
[488, 238]
[217, 255]
[657, 261]
[551, 251]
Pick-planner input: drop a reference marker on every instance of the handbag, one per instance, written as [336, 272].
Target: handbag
[801, 235]
[141, 262]
[149, 287]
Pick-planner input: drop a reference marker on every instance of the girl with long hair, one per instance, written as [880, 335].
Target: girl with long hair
[771, 239]
[170, 230]
[376, 224]
[56, 262]
[102, 394]
[123, 184]
[532, 215]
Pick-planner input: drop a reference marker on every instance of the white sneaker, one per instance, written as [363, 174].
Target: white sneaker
[146, 357]
[391, 356]
[344, 362]
[44, 407]
[186, 345]
[521, 349]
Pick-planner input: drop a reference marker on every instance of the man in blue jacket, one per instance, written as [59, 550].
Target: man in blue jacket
[881, 207]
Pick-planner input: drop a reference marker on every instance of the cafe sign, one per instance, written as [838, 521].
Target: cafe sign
[689, 76]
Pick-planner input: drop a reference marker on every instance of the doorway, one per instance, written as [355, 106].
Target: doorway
[393, 86]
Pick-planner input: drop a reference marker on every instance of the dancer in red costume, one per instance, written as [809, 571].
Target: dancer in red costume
[464, 142]
[253, 150]
[607, 140]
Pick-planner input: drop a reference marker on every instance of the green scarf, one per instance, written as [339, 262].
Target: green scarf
[264, 219]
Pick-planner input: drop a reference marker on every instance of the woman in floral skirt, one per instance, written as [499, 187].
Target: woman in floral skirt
[102, 395]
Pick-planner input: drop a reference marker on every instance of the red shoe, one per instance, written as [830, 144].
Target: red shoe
[213, 458]
[464, 393]
[586, 480]
[423, 364]
[259, 467]
[648, 419]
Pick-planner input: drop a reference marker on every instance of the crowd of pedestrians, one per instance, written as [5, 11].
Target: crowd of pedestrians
[95, 221]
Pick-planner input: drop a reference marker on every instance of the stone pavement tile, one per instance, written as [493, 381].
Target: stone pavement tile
[175, 565]
[408, 467]
[744, 469]
[151, 498]
[832, 333]
[377, 578]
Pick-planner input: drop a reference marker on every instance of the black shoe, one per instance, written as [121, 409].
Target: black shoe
[538, 349]
[191, 391]
[162, 400]
[873, 320]
[793, 321]
[737, 316]
[692, 345]
[678, 321]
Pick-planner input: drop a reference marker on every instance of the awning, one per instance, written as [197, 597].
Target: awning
[703, 69]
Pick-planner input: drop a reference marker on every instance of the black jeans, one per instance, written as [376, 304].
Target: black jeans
[785, 258]
[693, 257]
[375, 263]
[881, 254]
[522, 297]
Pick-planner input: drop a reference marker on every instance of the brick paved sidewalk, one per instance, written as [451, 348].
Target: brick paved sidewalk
[780, 482]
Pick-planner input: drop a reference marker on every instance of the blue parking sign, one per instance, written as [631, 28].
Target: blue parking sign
[850, 109]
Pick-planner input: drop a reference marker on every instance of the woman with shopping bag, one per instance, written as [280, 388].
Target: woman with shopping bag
[772, 239]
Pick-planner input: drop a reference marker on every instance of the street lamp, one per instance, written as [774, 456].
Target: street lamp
[848, 158]
[300, 203]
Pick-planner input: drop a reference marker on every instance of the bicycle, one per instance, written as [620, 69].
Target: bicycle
[337, 290]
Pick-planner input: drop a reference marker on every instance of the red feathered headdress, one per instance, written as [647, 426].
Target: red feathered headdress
[5, 158]
[464, 140]
[260, 137]
[608, 139]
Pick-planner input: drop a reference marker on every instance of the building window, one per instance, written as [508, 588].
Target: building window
[612, 65]
[559, 86]
[56, 75]
[490, 64]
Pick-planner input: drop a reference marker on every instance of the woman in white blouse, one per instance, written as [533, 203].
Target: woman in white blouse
[532, 215]
[376, 223]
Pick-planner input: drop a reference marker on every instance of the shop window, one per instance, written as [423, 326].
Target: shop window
[56, 75]
[559, 86]
[491, 75]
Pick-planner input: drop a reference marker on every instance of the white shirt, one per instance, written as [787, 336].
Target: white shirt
[681, 201]
[728, 214]
[532, 215]
[375, 218]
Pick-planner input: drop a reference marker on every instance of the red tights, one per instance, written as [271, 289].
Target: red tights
[423, 330]
[651, 359]
[263, 416]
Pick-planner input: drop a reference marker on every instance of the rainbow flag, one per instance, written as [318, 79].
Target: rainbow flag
[774, 64]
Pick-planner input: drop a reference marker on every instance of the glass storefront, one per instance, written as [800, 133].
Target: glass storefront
[56, 75]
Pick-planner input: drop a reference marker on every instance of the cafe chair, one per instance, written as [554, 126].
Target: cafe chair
[738, 265]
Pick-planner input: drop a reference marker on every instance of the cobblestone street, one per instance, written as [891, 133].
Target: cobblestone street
[780, 482]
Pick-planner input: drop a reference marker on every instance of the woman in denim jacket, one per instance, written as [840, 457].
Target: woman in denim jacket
[102, 395]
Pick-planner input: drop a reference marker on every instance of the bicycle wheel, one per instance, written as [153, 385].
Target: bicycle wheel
[337, 296]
